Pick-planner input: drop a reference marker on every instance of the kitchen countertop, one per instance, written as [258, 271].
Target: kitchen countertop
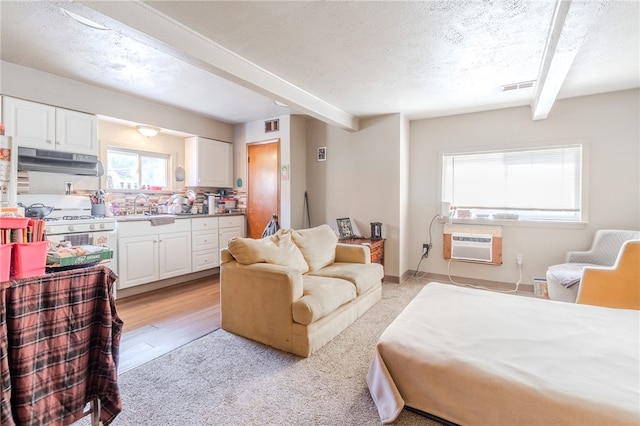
[140, 217]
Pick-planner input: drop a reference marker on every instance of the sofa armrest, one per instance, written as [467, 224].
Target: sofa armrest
[255, 301]
[353, 253]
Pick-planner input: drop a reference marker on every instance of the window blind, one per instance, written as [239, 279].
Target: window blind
[545, 180]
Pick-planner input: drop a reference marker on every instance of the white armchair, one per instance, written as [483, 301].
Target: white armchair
[563, 280]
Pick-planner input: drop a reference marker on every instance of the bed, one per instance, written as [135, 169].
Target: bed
[474, 357]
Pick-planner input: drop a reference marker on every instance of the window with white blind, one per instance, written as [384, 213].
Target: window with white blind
[525, 184]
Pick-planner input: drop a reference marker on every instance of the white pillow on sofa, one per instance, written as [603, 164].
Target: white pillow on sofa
[277, 250]
[318, 245]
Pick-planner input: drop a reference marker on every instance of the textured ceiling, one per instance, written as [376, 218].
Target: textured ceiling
[337, 61]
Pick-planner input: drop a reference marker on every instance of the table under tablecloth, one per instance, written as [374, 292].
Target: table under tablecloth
[59, 345]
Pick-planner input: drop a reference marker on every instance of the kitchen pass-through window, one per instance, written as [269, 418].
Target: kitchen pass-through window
[535, 184]
[131, 169]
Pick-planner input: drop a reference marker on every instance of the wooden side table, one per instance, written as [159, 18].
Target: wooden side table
[376, 247]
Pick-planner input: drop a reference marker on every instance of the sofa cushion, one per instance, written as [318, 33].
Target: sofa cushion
[277, 249]
[321, 296]
[364, 276]
[318, 245]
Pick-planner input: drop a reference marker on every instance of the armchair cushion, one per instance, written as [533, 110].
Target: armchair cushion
[362, 275]
[318, 245]
[277, 250]
[568, 274]
[321, 296]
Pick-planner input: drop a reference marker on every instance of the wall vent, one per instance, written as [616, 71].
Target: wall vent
[272, 125]
[516, 86]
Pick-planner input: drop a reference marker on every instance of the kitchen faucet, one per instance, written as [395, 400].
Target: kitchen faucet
[135, 202]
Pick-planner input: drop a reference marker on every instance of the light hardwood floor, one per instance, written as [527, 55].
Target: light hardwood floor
[157, 322]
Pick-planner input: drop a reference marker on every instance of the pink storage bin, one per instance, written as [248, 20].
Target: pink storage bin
[5, 261]
[29, 259]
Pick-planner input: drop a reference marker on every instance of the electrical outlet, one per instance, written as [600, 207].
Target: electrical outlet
[519, 258]
[425, 249]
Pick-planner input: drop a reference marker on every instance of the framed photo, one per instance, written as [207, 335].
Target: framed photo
[345, 229]
[322, 153]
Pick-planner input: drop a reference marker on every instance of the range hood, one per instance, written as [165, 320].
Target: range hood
[43, 160]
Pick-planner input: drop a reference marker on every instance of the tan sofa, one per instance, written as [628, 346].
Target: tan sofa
[296, 290]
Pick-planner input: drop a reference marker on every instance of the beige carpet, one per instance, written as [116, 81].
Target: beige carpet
[223, 379]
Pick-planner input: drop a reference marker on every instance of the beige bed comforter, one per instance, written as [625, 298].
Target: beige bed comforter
[481, 358]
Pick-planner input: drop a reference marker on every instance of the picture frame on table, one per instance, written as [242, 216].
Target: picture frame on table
[345, 228]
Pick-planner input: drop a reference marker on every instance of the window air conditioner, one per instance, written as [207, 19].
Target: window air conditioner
[473, 247]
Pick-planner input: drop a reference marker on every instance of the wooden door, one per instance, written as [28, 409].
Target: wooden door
[263, 188]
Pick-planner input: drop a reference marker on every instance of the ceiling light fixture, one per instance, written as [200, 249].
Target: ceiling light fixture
[280, 104]
[85, 21]
[148, 131]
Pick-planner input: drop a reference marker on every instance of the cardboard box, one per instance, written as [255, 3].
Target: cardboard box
[63, 259]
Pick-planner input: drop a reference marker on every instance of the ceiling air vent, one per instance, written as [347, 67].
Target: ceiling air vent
[516, 86]
[272, 125]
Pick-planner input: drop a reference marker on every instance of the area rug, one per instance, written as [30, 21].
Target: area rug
[224, 379]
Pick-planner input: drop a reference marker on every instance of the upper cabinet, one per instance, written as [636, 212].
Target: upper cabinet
[42, 126]
[208, 162]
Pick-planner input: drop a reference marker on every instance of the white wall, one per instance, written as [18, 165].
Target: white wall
[293, 150]
[298, 171]
[37, 86]
[610, 123]
[361, 179]
[404, 214]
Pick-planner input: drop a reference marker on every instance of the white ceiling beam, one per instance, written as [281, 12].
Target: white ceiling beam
[569, 27]
[149, 26]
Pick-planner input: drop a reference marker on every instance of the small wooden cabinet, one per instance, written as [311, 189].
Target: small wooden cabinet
[208, 162]
[41, 126]
[376, 247]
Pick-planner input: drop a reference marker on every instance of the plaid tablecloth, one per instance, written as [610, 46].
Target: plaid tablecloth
[60, 336]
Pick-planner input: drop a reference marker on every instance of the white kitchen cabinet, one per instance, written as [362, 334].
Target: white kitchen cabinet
[149, 253]
[76, 132]
[204, 243]
[208, 163]
[229, 227]
[174, 254]
[41, 126]
[137, 260]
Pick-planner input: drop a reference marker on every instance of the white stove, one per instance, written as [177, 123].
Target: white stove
[71, 221]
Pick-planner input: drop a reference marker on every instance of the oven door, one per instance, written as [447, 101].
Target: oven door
[100, 238]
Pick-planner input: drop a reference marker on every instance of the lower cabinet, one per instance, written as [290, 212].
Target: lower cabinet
[229, 227]
[149, 253]
[174, 254]
[204, 243]
[137, 260]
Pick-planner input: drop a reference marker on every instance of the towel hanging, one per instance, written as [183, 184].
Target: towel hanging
[272, 227]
